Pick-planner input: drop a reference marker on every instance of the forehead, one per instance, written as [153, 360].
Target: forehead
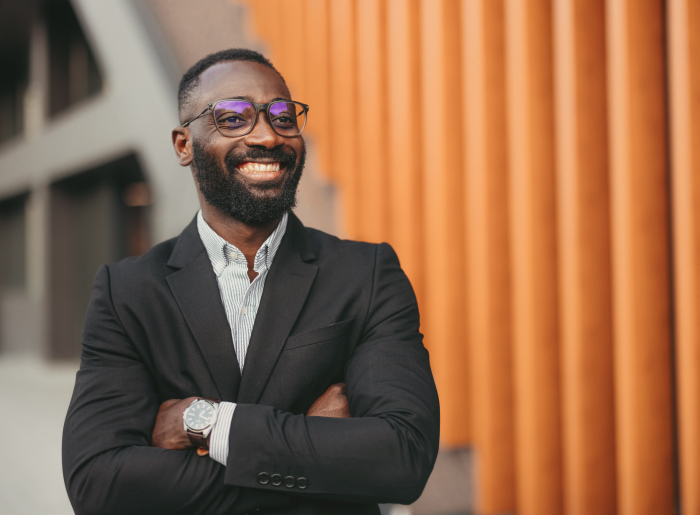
[232, 79]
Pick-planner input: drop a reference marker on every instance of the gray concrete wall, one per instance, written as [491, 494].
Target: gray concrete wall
[135, 113]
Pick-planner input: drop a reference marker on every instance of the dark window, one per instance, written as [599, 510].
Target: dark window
[15, 26]
[13, 254]
[98, 216]
[13, 81]
[73, 72]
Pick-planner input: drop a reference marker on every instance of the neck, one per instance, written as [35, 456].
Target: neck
[246, 238]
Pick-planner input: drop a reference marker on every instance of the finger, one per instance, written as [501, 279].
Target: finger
[202, 452]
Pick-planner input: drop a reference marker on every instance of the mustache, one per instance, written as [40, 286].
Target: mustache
[285, 159]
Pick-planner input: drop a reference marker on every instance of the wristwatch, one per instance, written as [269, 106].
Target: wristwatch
[198, 420]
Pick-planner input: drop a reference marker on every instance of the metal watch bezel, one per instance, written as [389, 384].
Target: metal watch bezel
[205, 430]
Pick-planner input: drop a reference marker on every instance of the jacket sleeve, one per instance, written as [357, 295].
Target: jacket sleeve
[386, 450]
[108, 464]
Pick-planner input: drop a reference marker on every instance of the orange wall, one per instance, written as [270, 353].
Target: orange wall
[516, 153]
[684, 66]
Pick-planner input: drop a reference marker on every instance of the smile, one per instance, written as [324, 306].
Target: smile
[258, 168]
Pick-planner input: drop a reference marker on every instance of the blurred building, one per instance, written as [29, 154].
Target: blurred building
[88, 97]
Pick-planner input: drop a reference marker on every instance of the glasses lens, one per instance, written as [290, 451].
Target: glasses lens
[287, 118]
[234, 116]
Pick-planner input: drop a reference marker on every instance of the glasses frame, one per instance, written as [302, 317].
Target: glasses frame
[258, 107]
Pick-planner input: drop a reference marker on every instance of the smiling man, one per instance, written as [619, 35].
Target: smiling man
[250, 364]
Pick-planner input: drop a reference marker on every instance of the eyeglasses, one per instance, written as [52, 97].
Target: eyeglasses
[234, 118]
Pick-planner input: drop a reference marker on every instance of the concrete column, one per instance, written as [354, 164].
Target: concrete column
[37, 227]
[36, 99]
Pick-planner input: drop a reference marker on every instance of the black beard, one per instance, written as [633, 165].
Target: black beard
[252, 204]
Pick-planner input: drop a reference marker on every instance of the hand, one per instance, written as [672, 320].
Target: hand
[169, 433]
[332, 403]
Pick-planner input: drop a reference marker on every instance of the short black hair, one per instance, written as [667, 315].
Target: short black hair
[190, 80]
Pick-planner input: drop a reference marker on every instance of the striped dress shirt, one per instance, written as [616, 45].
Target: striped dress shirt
[241, 299]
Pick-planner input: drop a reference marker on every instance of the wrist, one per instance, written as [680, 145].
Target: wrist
[199, 419]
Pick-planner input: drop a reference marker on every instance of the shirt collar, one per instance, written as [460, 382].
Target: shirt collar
[222, 253]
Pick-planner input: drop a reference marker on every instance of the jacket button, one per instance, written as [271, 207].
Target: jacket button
[263, 478]
[302, 483]
[276, 479]
[289, 482]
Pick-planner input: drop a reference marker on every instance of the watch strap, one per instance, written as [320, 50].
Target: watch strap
[198, 440]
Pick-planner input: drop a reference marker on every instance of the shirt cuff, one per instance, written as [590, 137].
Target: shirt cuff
[218, 441]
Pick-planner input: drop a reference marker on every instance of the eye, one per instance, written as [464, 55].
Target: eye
[284, 121]
[231, 120]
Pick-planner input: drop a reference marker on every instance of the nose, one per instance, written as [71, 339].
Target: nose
[263, 134]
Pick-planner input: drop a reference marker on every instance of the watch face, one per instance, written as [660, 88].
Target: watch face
[199, 415]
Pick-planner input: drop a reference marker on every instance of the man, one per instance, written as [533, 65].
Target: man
[320, 395]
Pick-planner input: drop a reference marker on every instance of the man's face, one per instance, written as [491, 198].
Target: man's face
[225, 168]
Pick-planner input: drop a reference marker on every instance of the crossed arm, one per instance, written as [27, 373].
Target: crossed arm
[169, 433]
[383, 453]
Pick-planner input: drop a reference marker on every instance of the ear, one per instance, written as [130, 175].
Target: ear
[182, 143]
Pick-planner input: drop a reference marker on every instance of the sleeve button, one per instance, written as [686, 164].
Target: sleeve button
[276, 479]
[289, 482]
[302, 483]
[263, 478]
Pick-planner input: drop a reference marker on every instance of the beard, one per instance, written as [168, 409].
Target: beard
[253, 204]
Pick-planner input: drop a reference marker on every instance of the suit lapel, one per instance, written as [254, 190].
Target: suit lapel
[286, 288]
[197, 294]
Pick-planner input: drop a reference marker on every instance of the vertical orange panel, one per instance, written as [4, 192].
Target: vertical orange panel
[404, 121]
[371, 106]
[292, 44]
[343, 122]
[684, 64]
[443, 308]
[640, 256]
[317, 88]
[270, 26]
[584, 264]
[488, 249]
[262, 27]
[280, 23]
[533, 229]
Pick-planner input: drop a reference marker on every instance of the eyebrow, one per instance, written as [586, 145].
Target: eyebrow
[250, 99]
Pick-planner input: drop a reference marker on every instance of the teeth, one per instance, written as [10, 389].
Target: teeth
[259, 167]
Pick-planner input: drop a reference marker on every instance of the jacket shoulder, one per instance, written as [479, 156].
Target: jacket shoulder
[327, 246]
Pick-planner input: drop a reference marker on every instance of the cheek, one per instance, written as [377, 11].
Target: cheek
[300, 150]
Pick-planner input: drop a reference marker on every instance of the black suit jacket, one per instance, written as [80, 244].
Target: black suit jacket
[331, 311]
